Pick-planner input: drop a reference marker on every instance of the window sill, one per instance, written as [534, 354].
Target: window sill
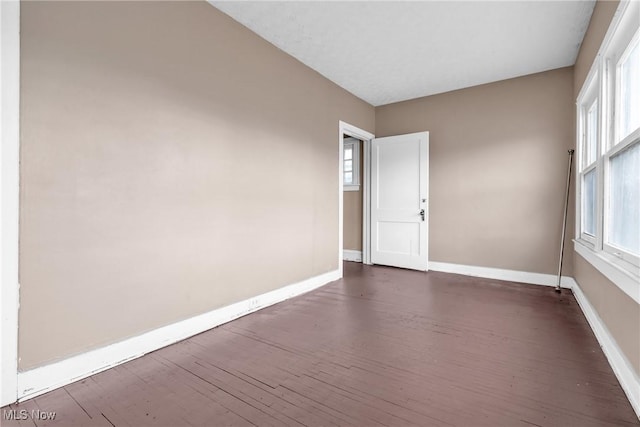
[627, 281]
[352, 188]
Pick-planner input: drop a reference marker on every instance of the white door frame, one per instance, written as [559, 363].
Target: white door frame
[9, 202]
[365, 137]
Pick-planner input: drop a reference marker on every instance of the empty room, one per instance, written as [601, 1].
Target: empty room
[253, 213]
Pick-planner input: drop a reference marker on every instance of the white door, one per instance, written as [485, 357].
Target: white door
[399, 196]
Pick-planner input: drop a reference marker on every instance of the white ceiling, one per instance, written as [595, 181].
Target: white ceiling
[385, 52]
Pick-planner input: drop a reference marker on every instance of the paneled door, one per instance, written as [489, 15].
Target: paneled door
[399, 201]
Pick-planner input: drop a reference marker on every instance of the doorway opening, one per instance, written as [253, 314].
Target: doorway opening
[352, 179]
[354, 231]
[383, 199]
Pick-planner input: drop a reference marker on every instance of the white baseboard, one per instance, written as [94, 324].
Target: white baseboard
[351, 255]
[40, 380]
[500, 274]
[628, 378]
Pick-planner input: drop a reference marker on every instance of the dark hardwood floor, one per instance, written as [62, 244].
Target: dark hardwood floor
[383, 346]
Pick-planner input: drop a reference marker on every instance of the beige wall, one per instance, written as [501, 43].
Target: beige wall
[498, 164]
[161, 159]
[172, 162]
[353, 220]
[352, 214]
[619, 312]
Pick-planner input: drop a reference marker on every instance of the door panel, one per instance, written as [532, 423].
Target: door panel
[398, 179]
[399, 184]
[392, 237]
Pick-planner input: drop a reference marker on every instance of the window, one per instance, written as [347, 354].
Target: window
[622, 212]
[624, 202]
[351, 166]
[629, 101]
[588, 165]
[608, 145]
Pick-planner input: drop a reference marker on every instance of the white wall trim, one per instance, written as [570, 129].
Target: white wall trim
[501, 274]
[628, 378]
[366, 201]
[351, 255]
[40, 380]
[10, 199]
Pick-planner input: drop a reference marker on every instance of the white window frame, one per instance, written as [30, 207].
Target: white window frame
[354, 144]
[617, 51]
[590, 97]
[626, 258]
[603, 83]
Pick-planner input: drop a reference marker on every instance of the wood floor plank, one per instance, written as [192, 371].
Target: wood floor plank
[381, 347]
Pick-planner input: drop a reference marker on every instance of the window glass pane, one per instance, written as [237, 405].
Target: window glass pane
[624, 200]
[630, 93]
[348, 165]
[591, 134]
[589, 203]
[348, 178]
[348, 153]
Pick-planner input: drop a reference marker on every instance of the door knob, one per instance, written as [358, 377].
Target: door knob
[422, 213]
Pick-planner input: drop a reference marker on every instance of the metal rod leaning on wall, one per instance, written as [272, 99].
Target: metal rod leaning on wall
[564, 221]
